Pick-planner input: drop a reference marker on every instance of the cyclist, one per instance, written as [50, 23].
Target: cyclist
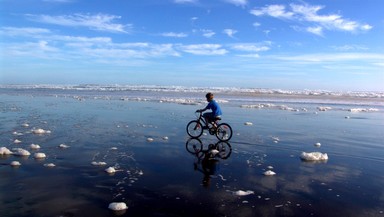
[210, 117]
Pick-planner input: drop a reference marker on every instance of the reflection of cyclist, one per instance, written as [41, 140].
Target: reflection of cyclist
[208, 165]
[212, 105]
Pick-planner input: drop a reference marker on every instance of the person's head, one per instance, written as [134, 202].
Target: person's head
[209, 97]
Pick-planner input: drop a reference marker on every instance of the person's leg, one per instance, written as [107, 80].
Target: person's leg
[207, 117]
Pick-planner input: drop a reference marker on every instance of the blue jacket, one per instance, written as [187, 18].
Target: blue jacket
[214, 106]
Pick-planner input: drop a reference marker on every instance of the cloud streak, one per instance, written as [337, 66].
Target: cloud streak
[310, 15]
[99, 22]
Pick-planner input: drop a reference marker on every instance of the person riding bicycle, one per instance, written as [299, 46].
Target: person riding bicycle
[212, 105]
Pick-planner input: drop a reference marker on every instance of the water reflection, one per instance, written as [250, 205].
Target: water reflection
[207, 161]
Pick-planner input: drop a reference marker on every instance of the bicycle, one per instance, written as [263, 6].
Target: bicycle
[222, 131]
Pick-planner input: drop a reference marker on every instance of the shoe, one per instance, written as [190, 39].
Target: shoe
[205, 127]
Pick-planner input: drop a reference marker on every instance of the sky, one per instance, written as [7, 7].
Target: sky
[280, 44]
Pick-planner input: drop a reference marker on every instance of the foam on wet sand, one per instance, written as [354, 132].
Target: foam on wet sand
[314, 156]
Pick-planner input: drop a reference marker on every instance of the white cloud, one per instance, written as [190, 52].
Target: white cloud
[256, 24]
[230, 32]
[305, 13]
[250, 47]
[22, 31]
[208, 33]
[100, 22]
[318, 30]
[335, 57]
[238, 2]
[349, 47]
[204, 49]
[277, 11]
[174, 35]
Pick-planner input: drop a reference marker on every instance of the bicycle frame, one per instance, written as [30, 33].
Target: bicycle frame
[201, 119]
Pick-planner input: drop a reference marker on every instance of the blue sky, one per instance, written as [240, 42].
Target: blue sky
[331, 45]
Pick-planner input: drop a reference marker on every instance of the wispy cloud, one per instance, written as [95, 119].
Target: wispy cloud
[309, 14]
[241, 3]
[230, 32]
[204, 49]
[22, 31]
[174, 34]
[99, 22]
[249, 47]
[334, 57]
[208, 33]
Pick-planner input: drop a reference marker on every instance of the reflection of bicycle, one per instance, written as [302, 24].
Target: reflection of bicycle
[207, 160]
[222, 131]
[222, 149]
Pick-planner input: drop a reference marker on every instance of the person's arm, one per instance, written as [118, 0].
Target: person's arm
[201, 110]
[204, 109]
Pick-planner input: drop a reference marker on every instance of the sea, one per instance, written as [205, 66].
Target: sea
[123, 150]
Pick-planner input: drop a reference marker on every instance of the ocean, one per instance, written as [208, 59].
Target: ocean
[74, 134]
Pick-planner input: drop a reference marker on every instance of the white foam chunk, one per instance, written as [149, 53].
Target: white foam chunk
[49, 165]
[317, 144]
[243, 193]
[214, 152]
[363, 110]
[99, 163]
[149, 139]
[16, 141]
[269, 173]
[63, 146]
[40, 131]
[21, 152]
[324, 108]
[5, 151]
[34, 146]
[25, 125]
[15, 163]
[39, 155]
[314, 156]
[248, 123]
[117, 206]
[110, 170]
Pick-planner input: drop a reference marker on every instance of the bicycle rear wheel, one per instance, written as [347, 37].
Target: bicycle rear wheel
[224, 132]
[194, 129]
[224, 149]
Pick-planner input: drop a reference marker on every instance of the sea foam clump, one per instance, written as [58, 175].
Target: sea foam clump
[243, 193]
[49, 165]
[110, 170]
[99, 163]
[314, 156]
[41, 131]
[21, 152]
[5, 151]
[269, 173]
[324, 108]
[15, 163]
[39, 155]
[34, 146]
[118, 206]
[63, 146]
[363, 110]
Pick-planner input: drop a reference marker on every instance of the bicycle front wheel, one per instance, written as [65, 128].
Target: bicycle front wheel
[194, 129]
[224, 132]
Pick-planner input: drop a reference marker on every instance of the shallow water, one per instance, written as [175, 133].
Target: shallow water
[162, 178]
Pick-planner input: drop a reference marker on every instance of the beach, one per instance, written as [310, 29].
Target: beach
[140, 132]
